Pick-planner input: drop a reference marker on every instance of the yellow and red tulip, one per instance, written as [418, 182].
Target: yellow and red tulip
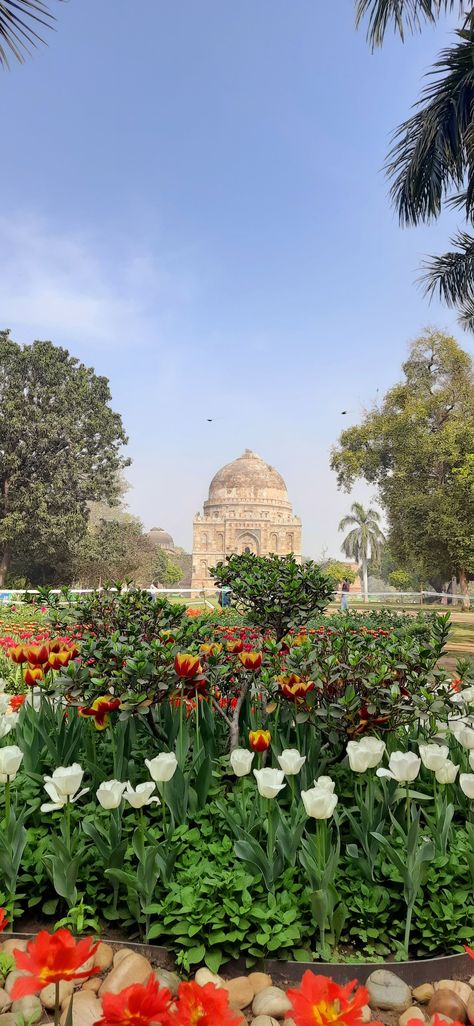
[100, 709]
[57, 660]
[18, 654]
[251, 660]
[259, 740]
[294, 687]
[234, 647]
[211, 650]
[187, 665]
[38, 655]
[33, 675]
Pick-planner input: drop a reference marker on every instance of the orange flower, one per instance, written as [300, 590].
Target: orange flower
[33, 675]
[38, 654]
[59, 659]
[3, 919]
[49, 958]
[251, 660]
[18, 654]
[319, 1001]
[100, 709]
[203, 1006]
[187, 665]
[16, 701]
[259, 740]
[235, 646]
[137, 1005]
[469, 951]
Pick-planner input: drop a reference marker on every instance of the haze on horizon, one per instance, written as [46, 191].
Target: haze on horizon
[196, 208]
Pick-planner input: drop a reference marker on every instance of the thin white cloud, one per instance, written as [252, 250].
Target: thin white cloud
[60, 286]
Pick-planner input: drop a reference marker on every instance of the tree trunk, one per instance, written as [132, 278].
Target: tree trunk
[365, 580]
[463, 584]
[4, 565]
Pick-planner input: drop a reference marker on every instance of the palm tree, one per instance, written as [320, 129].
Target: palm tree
[365, 538]
[20, 24]
[431, 163]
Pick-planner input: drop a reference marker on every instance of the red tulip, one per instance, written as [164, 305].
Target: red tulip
[187, 665]
[137, 1005]
[259, 740]
[251, 660]
[50, 958]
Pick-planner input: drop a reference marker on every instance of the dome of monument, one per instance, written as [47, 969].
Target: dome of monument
[160, 537]
[247, 479]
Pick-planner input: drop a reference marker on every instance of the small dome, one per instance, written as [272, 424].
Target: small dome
[250, 479]
[160, 537]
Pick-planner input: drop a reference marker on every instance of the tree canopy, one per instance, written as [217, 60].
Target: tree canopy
[60, 448]
[411, 447]
[430, 164]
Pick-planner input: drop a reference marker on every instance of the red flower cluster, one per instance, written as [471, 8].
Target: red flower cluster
[142, 1004]
[50, 958]
[319, 1001]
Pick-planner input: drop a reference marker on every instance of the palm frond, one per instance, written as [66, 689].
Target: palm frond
[404, 15]
[20, 24]
[451, 276]
[429, 152]
[466, 314]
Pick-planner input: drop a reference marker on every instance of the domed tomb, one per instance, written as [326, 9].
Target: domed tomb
[247, 510]
[161, 538]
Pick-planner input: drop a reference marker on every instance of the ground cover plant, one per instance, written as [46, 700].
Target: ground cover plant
[224, 792]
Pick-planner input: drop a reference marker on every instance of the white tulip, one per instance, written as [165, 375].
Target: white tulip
[291, 761]
[365, 754]
[466, 737]
[325, 784]
[63, 787]
[269, 782]
[318, 803]
[6, 725]
[10, 762]
[463, 697]
[162, 767]
[433, 756]
[109, 794]
[466, 781]
[67, 779]
[241, 761]
[141, 795]
[447, 772]
[403, 766]
[471, 760]
[4, 703]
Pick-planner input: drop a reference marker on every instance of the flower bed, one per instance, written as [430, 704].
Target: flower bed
[338, 827]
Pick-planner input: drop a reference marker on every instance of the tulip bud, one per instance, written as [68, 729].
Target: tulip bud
[163, 767]
[291, 761]
[241, 761]
[259, 740]
[269, 782]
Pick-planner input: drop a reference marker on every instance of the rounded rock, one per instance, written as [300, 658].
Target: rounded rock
[265, 1020]
[121, 954]
[462, 990]
[168, 979]
[271, 1001]
[29, 1008]
[388, 991]
[8, 1019]
[259, 981]
[470, 1008]
[446, 1002]
[86, 1009]
[104, 956]
[9, 945]
[134, 968]
[204, 976]
[93, 984]
[48, 994]
[5, 1001]
[411, 1013]
[240, 991]
[423, 993]
[366, 1013]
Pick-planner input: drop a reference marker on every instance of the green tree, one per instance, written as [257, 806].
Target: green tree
[114, 550]
[336, 570]
[60, 444]
[431, 161]
[275, 591]
[165, 570]
[410, 447]
[21, 22]
[400, 579]
[364, 539]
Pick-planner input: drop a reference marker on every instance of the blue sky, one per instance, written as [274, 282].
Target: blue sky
[193, 204]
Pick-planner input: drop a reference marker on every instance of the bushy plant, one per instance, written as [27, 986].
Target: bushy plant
[276, 592]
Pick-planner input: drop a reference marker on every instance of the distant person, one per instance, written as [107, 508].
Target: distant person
[153, 590]
[345, 589]
[224, 596]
